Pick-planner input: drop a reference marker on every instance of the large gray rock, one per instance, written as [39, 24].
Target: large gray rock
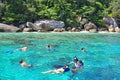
[48, 25]
[110, 21]
[45, 27]
[103, 29]
[89, 26]
[8, 28]
[33, 26]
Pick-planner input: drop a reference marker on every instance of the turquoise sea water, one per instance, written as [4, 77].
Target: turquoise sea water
[101, 61]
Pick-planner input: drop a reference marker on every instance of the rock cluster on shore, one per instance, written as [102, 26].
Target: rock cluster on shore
[9, 28]
[56, 26]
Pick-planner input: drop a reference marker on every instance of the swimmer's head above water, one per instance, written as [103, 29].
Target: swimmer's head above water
[23, 48]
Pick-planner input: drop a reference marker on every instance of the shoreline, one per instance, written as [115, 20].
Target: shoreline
[81, 32]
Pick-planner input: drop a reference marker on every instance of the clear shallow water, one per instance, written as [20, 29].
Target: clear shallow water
[102, 60]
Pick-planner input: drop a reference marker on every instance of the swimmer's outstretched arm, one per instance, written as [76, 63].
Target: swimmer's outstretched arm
[57, 71]
[50, 71]
[16, 50]
[20, 49]
[70, 62]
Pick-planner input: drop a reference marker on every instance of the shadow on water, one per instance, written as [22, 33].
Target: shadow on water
[60, 62]
[73, 76]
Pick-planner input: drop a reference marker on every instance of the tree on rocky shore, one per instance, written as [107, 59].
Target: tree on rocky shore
[17, 12]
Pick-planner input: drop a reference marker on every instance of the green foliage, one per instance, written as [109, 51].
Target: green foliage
[116, 14]
[115, 8]
[21, 11]
[2, 5]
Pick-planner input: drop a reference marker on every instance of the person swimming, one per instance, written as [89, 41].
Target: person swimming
[74, 73]
[75, 59]
[20, 49]
[23, 49]
[66, 68]
[49, 46]
[83, 50]
[79, 64]
[74, 70]
[58, 71]
[23, 64]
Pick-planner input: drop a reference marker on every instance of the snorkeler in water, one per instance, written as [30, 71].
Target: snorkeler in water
[83, 50]
[74, 70]
[75, 59]
[49, 46]
[74, 73]
[79, 64]
[23, 49]
[23, 64]
[58, 71]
